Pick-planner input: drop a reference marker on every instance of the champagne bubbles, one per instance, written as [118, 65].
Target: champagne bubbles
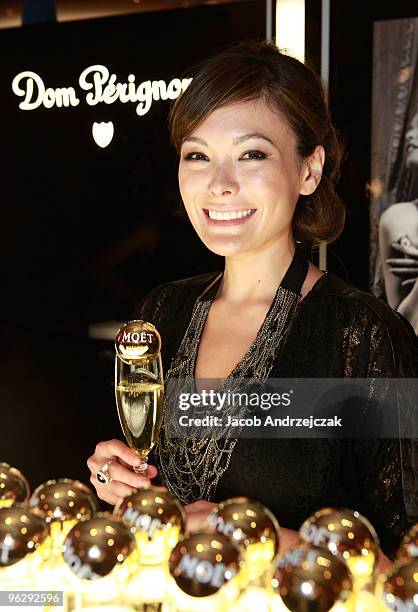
[156, 518]
[21, 533]
[204, 563]
[346, 533]
[14, 487]
[311, 578]
[252, 526]
[408, 549]
[95, 547]
[400, 591]
[137, 341]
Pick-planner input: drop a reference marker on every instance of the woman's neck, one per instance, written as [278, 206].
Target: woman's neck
[254, 277]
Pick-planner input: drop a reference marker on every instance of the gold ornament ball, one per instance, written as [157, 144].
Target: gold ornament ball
[342, 531]
[156, 518]
[14, 487]
[312, 579]
[21, 533]
[400, 590]
[94, 547]
[63, 500]
[247, 522]
[202, 563]
[408, 549]
[137, 341]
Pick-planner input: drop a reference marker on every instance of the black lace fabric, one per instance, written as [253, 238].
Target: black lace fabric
[373, 349]
[339, 332]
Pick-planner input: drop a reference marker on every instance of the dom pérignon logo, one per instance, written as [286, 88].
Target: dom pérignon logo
[103, 87]
[103, 133]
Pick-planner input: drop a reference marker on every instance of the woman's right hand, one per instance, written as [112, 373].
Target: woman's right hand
[121, 460]
[406, 266]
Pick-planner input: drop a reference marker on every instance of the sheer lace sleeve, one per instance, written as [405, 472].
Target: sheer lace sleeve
[382, 344]
[151, 307]
[169, 307]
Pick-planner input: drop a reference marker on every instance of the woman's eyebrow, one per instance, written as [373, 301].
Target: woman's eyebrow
[236, 141]
[252, 135]
[196, 139]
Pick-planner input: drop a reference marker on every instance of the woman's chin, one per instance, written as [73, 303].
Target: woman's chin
[224, 248]
[412, 161]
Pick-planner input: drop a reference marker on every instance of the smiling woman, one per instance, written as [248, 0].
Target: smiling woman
[398, 235]
[259, 158]
[294, 119]
[232, 174]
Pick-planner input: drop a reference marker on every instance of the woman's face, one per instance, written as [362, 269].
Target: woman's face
[240, 178]
[411, 138]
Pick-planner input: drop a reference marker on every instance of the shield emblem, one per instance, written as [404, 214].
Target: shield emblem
[103, 133]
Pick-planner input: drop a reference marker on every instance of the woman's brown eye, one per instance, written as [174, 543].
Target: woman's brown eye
[254, 155]
[195, 156]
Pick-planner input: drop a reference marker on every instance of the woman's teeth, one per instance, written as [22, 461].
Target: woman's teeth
[227, 216]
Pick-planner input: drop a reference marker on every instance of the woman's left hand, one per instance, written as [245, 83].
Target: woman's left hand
[196, 513]
[406, 266]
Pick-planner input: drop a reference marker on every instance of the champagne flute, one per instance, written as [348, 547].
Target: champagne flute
[139, 387]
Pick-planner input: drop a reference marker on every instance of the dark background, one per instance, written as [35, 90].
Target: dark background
[351, 105]
[88, 231]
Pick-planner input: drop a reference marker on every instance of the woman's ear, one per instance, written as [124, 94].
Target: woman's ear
[312, 170]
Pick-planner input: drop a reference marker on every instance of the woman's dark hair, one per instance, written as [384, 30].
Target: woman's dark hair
[403, 183]
[254, 70]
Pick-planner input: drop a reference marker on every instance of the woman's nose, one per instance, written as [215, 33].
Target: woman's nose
[223, 182]
[411, 135]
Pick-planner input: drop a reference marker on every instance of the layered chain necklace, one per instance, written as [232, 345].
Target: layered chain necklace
[191, 467]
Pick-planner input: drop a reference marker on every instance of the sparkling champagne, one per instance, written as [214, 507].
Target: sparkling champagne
[139, 386]
[140, 407]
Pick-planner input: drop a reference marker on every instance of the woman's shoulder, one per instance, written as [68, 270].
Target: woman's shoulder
[368, 318]
[393, 212]
[346, 294]
[184, 286]
[169, 307]
[198, 281]
[398, 220]
[173, 294]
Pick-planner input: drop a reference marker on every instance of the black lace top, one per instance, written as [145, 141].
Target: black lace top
[339, 332]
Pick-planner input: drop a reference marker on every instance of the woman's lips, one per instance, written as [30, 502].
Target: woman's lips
[227, 222]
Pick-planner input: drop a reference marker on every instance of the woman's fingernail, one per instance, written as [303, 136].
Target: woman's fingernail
[143, 482]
